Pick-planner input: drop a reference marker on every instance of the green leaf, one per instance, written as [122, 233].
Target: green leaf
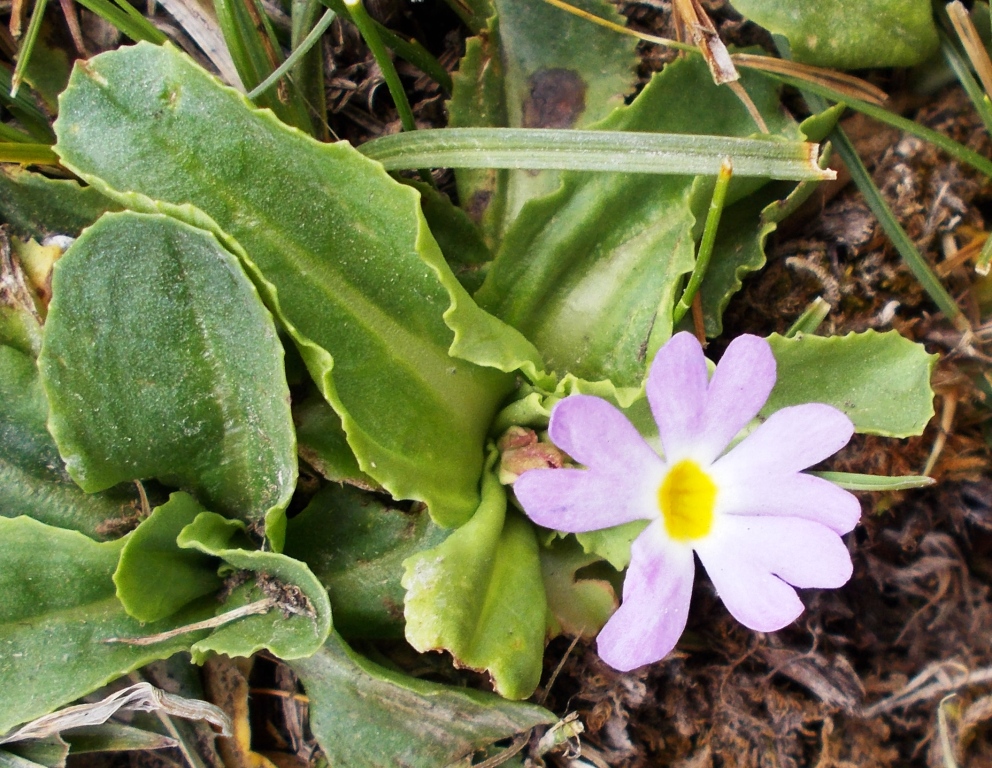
[322, 443]
[341, 254]
[740, 245]
[159, 360]
[300, 624]
[459, 238]
[37, 206]
[613, 544]
[880, 380]
[33, 480]
[589, 273]
[363, 714]
[847, 34]
[479, 595]
[577, 606]
[154, 577]
[59, 609]
[355, 544]
[518, 75]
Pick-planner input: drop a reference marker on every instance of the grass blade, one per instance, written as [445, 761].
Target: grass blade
[291, 61]
[851, 481]
[616, 151]
[27, 45]
[27, 154]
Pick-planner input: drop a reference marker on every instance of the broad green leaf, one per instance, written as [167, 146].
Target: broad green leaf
[479, 595]
[589, 273]
[848, 34]
[33, 480]
[577, 606]
[365, 715]
[355, 544]
[154, 577]
[322, 443]
[340, 251]
[295, 629]
[459, 238]
[59, 611]
[518, 75]
[36, 206]
[880, 380]
[160, 361]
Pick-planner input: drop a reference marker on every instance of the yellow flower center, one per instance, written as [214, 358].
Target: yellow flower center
[686, 498]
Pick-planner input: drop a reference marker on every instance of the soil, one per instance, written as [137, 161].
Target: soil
[894, 669]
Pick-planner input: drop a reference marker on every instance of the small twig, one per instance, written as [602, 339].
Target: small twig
[518, 743]
[948, 410]
[558, 669]
[252, 609]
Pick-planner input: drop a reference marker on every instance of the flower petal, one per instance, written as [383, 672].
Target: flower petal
[790, 495]
[579, 500]
[676, 390]
[699, 419]
[791, 440]
[656, 594]
[743, 379]
[753, 560]
[596, 434]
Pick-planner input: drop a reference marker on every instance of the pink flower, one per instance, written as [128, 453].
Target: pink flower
[759, 525]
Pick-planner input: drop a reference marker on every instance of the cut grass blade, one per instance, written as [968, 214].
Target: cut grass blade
[851, 481]
[972, 42]
[27, 45]
[708, 239]
[617, 151]
[954, 149]
[27, 154]
[837, 87]
[962, 72]
[811, 318]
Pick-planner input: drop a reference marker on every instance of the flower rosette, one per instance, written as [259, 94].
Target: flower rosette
[760, 526]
